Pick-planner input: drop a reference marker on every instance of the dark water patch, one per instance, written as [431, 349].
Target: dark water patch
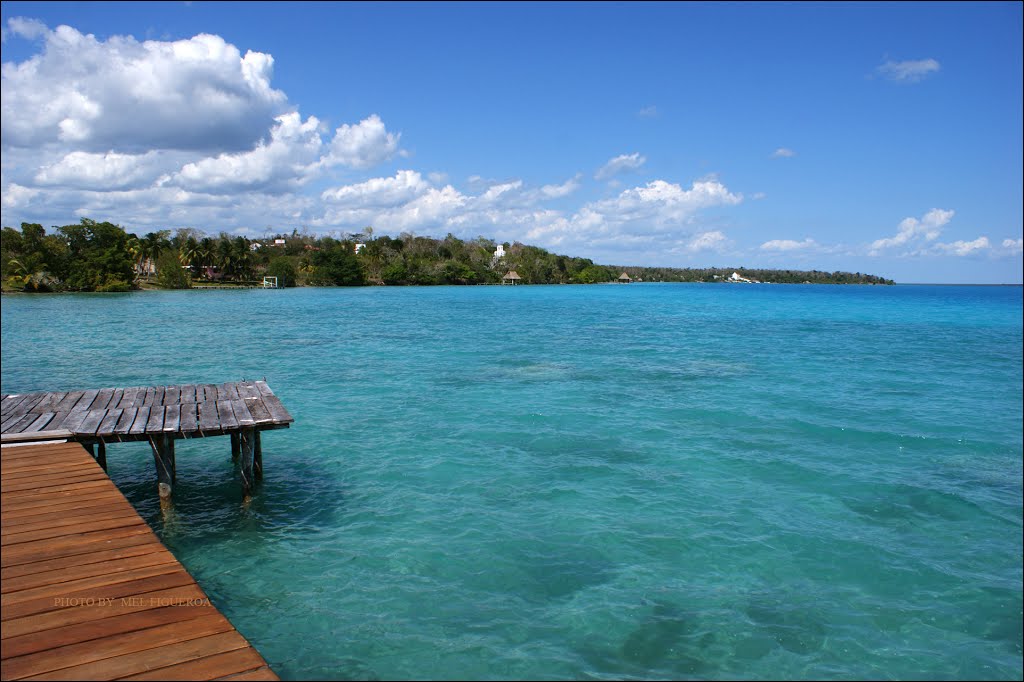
[792, 622]
[902, 503]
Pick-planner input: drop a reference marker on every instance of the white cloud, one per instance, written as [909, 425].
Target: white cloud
[913, 230]
[86, 170]
[708, 241]
[562, 190]
[620, 164]
[125, 96]
[909, 71]
[788, 245]
[405, 186]
[287, 160]
[26, 28]
[15, 196]
[363, 145]
[963, 248]
[783, 153]
[1013, 246]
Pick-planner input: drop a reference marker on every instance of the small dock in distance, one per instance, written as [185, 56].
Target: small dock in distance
[156, 414]
[88, 590]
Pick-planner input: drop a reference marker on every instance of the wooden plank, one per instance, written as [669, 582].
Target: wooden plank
[188, 394]
[50, 402]
[208, 667]
[172, 417]
[91, 422]
[129, 603]
[69, 401]
[102, 399]
[74, 419]
[264, 673]
[66, 547]
[84, 564]
[172, 395]
[227, 391]
[209, 419]
[41, 421]
[18, 424]
[162, 646]
[276, 409]
[128, 398]
[242, 415]
[258, 411]
[141, 420]
[86, 401]
[188, 418]
[247, 389]
[226, 415]
[263, 388]
[125, 421]
[107, 426]
[26, 405]
[58, 434]
[156, 419]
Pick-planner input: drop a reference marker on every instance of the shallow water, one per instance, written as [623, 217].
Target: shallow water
[587, 482]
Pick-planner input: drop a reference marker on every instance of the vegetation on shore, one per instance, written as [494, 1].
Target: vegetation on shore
[93, 256]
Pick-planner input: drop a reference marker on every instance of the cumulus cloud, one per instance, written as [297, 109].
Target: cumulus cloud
[1013, 246]
[405, 186]
[620, 164]
[910, 71]
[127, 96]
[562, 190]
[714, 240]
[783, 153]
[285, 161]
[912, 230]
[26, 28]
[111, 170]
[963, 248]
[362, 145]
[788, 245]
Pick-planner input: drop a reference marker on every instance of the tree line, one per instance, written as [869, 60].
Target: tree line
[101, 256]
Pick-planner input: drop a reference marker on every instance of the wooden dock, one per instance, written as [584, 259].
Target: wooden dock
[88, 590]
[157, 414]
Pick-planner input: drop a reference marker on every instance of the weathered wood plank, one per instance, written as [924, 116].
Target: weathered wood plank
[172, 417]
[91, 422]
[156, 419]
[276, 409]
[209, 419]
[35, 435]
[106, 427]
[242, 415]
[247, 389]
[69, 401]
[102, 399]
[125, 421]
[74, 419]
[141, 420]
[209, 393]
[258, 410]
[49, 403]
[188, 418]
[85, 402]
[40, 422]
[227, 391]
[18, 424]
[128, 398]
[23, 408]
[263, 388]
[188, 394]
[226, 415]
[172, 395]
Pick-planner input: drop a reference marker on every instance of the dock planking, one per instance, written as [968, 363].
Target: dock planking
[194, 411]
[157, 414]
[88, 590]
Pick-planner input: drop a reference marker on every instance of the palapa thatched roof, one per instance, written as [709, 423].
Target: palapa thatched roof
[624, 276]
[512, 274]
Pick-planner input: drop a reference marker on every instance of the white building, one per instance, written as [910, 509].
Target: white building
[255, 246]
[499, 252]
[360, 247]
[278, 242]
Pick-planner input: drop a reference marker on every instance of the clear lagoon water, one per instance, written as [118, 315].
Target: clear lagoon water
[587, 482]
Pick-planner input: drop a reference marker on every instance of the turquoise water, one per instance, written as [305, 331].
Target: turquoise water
[644, 481]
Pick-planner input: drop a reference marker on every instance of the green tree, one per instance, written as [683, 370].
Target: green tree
[282, 268]
[170, 274]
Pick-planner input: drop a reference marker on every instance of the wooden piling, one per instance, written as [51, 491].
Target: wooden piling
[235, 448]
[257, 456]
[246, 441]
[163, 454]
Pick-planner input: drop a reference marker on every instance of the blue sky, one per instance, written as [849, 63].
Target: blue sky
[876, 137]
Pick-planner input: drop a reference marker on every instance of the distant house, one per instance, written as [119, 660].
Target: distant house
[360, 247]
[278, 242]
[255, 246]
[512, 278]
[624, 279]
[499, 252]
[737, 277]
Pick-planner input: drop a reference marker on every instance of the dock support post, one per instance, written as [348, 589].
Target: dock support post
[247, 439]
[257, 457]
[163, 453]
[101, 454]
[235, 451]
